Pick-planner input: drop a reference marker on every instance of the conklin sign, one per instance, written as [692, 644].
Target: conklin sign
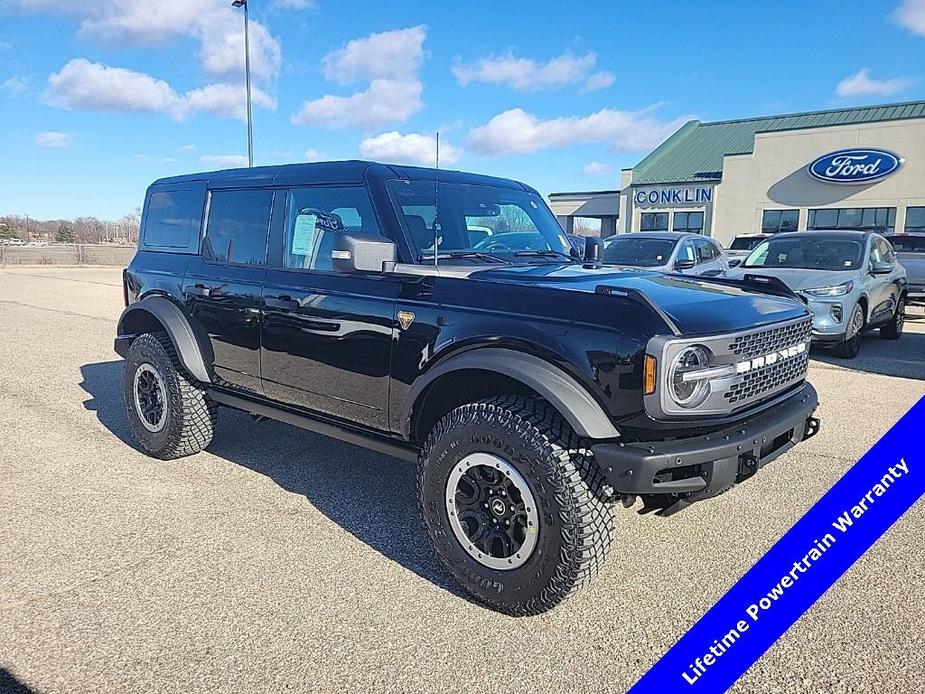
[854, 166]
[673, 196]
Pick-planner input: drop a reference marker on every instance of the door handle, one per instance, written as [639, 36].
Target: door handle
[284, 302]
[198, 290]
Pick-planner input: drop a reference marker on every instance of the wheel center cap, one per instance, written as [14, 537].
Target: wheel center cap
[497, 507]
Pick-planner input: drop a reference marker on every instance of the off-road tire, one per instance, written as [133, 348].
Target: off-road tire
[575, 515]
[848, 349]
[894, 329]
[190, 415]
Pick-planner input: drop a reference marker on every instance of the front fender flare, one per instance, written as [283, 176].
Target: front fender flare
[189, 349]
[563, 392]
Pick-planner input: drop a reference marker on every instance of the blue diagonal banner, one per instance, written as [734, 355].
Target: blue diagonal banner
[796, 571]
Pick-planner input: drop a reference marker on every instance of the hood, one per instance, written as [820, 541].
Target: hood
[798, 279]
[695, 305]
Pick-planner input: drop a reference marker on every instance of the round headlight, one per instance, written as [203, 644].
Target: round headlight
[689, 393]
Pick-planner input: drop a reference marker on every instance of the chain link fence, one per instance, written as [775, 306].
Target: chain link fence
[71, 254]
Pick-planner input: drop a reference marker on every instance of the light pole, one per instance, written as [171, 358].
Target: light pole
[247, 79]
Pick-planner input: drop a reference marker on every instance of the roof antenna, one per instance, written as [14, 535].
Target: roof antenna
[437, 199]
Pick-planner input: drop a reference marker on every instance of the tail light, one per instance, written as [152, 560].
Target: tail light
[124, 288]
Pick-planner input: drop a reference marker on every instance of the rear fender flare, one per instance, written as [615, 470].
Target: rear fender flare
[189, 348]
[572, 400]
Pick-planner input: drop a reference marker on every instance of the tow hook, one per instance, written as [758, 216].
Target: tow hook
[812, 428]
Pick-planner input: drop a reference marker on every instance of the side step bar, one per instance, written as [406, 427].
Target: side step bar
[335, 431]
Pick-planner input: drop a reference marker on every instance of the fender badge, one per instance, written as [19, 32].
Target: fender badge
[405, 318]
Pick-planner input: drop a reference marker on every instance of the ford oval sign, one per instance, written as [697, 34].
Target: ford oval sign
[854, 166]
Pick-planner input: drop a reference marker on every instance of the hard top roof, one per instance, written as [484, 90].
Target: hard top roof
[345, 172]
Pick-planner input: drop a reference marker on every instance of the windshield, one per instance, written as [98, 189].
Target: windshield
[907, 244]
[807, 253]
[478, 220]
[638, 252]
[745, 243]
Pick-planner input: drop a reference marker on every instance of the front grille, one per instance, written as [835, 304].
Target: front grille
[768, 379]
[786, 370]
[771, 340]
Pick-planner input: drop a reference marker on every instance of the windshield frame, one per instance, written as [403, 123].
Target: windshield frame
[541, 216]
[856, 265]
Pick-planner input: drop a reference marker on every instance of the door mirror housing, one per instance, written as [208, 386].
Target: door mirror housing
[362, 254]
[735, 262]
[880, 268]
[684, 264]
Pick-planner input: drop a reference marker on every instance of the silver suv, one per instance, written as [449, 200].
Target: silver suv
[666, 251]
[850, 280]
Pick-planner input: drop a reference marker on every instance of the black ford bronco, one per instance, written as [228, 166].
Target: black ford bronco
[445, 318]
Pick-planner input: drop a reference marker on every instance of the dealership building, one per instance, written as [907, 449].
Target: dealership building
[854, 168]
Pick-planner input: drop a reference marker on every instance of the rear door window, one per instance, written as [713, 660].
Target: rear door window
[172, 218]
[239, 221]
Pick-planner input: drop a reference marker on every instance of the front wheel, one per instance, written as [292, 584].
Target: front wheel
[849, 348]
[518, 513]
[169, 415]
[894, 329]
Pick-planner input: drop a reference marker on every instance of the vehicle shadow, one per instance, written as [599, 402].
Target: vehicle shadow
[10, 684]
[370, 495]
[903, 358]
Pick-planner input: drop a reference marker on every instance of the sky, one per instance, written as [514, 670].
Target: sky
[98, 99]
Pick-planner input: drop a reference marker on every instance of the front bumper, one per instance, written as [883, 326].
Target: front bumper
[830, 317]
[671, 475]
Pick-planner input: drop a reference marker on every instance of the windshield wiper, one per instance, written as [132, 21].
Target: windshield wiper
[546, 253]
[453, 255]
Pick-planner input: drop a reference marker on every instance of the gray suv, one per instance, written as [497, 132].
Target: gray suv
[666, 251]
[850, 280]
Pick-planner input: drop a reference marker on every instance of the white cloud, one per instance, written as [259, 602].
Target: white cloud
[83, 85]
[384, 102]
[911, 15]
[596, 168]
[394, 55]
[313, 155]
[413, 148]
[17, 85]
[527, 74]
[214, 23]
[53, 139]
[224, 161]
[599, 80]
[517, 132]
[862, 84]
[227, 100]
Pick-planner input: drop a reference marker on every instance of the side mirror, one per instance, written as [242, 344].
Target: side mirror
[735, 262]
[361, 253]
[881, 268]
[593, 248]
[684, 264]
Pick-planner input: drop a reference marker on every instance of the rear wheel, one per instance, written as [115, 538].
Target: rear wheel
[169, 415]
[849, 348]
[518, 513]
[894, 329]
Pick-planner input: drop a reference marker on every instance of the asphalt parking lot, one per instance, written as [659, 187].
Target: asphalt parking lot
[281, 560]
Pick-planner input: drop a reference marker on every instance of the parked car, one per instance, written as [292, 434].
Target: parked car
[666, 251]
[533, 389]
[743, 244]
[910, 252]
[850, 279]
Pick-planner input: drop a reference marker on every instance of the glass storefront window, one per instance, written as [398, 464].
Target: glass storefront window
[653, 221]
[691, 222]
[774, 221]
[915, 219]
[881, 219]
